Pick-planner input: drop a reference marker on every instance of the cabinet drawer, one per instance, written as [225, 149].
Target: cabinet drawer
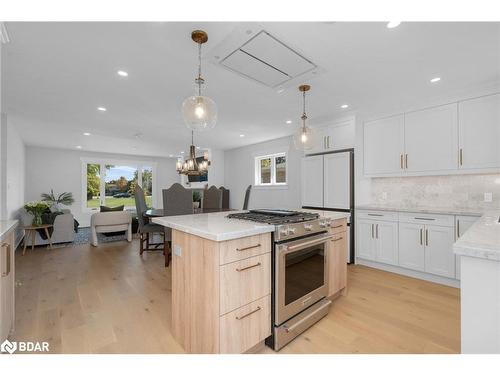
[428, 219]
[246, 247]
[245, 327]
[378, 215]
[244, 282]
[338, 226]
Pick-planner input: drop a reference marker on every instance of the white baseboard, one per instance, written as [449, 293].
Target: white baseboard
[411, 273]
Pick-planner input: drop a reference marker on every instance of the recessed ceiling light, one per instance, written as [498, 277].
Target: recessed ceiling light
[122, 73]
[182, 152]
[102, 109]
[242, 135]
[288, 121]
[170, 156]
[86, 133]
[197, 147]
[344, 106]
[393, 24]
[279, 91]
[435, 79]
[79, 147]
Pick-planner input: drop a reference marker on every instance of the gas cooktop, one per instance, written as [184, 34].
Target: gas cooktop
[274, 217]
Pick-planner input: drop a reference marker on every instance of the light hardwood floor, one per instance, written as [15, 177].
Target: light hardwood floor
[110, 300]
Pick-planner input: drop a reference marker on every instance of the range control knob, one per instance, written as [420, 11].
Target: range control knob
[308, 227]
[324, 224]
[291, 231]
[284, 232]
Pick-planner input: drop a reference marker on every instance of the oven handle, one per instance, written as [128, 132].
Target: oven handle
[316, 241]
[296, 324]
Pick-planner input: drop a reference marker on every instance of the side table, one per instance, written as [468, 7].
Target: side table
[31, 231]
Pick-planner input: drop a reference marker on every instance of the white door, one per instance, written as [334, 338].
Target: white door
[411, 246]
[479, 132]
[431, 139]
[462, 224]
[439, 256]
[337, 180]
[383, 146]
[386, 235]
[365, 239]
[312, 181]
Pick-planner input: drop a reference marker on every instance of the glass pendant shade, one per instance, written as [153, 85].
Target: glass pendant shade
[304, 138]
[199, 112]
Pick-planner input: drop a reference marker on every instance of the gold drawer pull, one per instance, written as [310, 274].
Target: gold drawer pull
[337, 239]
[248, 247]
[247, 314]
[338, 226]
[7, 260]
[247, 268]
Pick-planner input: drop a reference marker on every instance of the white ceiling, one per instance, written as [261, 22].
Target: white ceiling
[56, 75]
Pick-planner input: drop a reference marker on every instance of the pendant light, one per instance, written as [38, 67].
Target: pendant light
[303, 139]
[190, 166]
[199, 112]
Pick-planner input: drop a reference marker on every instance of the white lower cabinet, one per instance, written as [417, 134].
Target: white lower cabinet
[462, 223]
[439, 256]
[378, 240]
[411, 247]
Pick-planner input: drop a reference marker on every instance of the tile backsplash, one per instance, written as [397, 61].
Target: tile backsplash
[458, 191]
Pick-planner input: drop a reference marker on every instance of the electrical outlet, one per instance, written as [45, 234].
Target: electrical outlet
[488, 197]
[384, 195]
[177, 250]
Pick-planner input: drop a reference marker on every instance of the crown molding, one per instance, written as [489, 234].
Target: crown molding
[4, 35]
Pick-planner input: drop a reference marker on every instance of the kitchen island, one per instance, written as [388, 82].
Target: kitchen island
[479, 251]
[221, 282]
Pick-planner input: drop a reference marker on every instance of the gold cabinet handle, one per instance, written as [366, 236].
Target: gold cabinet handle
[337, 239]
[401, 161]
[7, 259]
[248, 247]
[247, 268]
[426, 237]
[337, 226]
[372, 231]
[406, 161]
[458, 228]
[421, 240]
[248, 314]
[460, 157]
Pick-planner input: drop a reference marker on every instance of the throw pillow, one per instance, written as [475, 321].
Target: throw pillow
[109, 209]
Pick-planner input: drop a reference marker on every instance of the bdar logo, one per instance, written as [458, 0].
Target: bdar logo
[8, 347]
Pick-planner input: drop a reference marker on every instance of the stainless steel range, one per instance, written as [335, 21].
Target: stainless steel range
[300, 275]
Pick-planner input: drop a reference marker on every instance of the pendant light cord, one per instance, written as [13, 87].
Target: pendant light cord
[200, 80]
[304, 117]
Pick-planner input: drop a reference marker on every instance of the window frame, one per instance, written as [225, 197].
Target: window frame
[257, 167]
[102, 183]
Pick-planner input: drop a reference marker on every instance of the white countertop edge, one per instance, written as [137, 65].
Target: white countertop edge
[6, 226]
[423, 210]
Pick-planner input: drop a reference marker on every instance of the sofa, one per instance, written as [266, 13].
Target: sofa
[112, 221]
[64, 230]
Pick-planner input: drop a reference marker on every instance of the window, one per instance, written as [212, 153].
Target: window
[271, 170]
[113, 183]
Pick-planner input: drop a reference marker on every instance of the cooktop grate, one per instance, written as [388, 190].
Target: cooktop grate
[274, 217]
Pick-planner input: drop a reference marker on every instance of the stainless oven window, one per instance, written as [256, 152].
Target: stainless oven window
[304, 272]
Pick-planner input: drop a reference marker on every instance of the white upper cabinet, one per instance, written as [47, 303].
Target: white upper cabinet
[384, 146]
[479, 132]
[336, 177]
[312, 181]
[340, 135]
[431, 139]
[319, 144]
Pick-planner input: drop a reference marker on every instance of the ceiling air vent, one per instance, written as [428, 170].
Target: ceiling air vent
[267, 60]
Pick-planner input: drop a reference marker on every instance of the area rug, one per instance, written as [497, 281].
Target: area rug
[83, 236]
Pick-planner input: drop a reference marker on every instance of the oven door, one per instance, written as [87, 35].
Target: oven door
[301, 277]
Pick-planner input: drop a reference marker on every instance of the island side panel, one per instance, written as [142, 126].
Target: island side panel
[195, 293]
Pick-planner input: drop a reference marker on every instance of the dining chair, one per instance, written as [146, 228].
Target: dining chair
[146, 229]
[225, 197]
[212, 198]
[177, 200]
[247, 197]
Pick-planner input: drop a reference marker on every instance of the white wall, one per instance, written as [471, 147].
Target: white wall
[239, 173]
[58, 169]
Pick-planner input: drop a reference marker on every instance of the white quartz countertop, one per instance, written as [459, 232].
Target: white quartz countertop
[422, 210]
[6, 226]
[214, 226]
[482, 239]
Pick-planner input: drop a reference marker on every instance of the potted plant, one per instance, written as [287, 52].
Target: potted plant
[63, 198]
[196, 199]
[36, 208]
